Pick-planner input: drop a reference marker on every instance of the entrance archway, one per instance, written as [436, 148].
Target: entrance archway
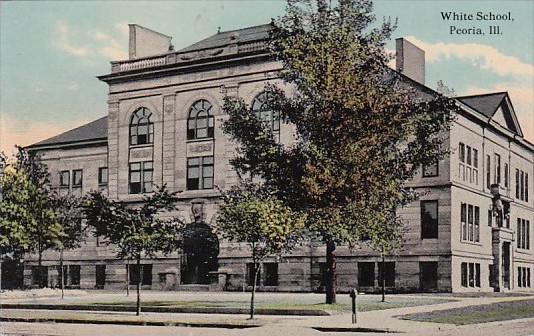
[200, 251]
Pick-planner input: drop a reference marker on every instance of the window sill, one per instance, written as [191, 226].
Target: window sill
[199, 140]
[199, 193]
[468, 242]
[142, 146]
[522, 250]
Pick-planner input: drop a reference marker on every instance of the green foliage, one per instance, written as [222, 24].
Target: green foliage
[68, 209]
[27, 216]
[361, 128]
[252, 215]
[135, 231]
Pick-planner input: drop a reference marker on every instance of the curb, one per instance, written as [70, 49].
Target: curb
[132, 323]
[157, 309]
[356, 329]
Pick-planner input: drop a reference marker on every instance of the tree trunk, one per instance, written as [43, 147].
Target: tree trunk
[138, 285]
[42, 283]
[255, 270]
[62, 274]
[127, 277]
[383, 279]
[330, 272]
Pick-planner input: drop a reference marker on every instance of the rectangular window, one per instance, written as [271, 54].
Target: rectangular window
[200, 173]
[475, 158]
[429, 219]
[77, 178]
[270, 274]
[100, 276]
[64, 178]
[366, 274]
[497, 169]
[431, 170]
[140, 177]
[526, 187]
[468, 161]
[463, 219]
[461, 152]
[518, 232]
[389, 273]
[471, 275]
[74, 276]
[477, 224]
[146, 274]
[522, 186]
[477, 275]
[250, 275]
[488, 171]
[517, 183]
[506, 175]
[428, 275]
[464, 274]
[490, 218]
[470, 222]
[103, 176]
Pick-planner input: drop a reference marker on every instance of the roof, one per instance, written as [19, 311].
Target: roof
[95, 130]
[249, 34]
[486, 104]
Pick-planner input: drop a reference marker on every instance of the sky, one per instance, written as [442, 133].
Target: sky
[52, 51]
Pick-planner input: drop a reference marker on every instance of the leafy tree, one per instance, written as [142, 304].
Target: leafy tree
[445, 90]
[254, 216]
[361, 128]
[136, 232]
[28, 217]
[69, 216]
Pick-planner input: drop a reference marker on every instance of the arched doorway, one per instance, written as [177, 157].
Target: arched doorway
[200, 251]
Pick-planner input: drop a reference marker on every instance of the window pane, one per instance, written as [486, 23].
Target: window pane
[208, 183]
[193, 172]
[147, 165]
[135, 166]
[192, 184]
[135, 177]
[207, 160]
[202, 133]
[202, 123]
[193, 161]
[207, 171]
[147, 176]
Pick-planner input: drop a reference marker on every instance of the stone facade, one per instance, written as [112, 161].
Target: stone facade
[169, 85]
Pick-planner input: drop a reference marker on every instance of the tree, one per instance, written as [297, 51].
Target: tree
[252, 215]
[445, 90]
[361, 128]
[136, 232]
[69, 216]
[27, 214]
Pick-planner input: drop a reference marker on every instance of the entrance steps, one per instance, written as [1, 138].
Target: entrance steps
[193, 288]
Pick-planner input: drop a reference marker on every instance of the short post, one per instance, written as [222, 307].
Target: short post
[354, 299]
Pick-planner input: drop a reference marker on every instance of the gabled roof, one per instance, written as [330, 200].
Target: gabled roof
[497, 107]
[95, 130]
[486, 104]
[249, 34]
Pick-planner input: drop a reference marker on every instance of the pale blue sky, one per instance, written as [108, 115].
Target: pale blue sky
[52, 51]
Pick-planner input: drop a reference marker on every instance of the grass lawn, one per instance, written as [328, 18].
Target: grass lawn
[478, 314]
[363, 305]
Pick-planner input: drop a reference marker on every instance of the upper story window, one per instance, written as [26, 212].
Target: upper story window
[468, 166]
[470, 218]
[429, 219]
[521, 185]
[523, 234]
[77, 178]
[431, 170]
[103, 176]
[488, 171]
[200, 173]
[141, 128]
[506, 175]
[200, 124]
[497, 175]
[64, 178]
[270, 119]
[140, 177]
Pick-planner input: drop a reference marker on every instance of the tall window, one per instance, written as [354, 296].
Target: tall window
[488, 171]
[140, 177]
[468, 166]
[523, 276]
[103, 176]
[77, 178]
[269, 118]
[429, 219]
[506, 175]
[523, 234]
[517, 183]
[470, 274]
[497, 175]
[200, 124]
[200, 173]
[141, 128]
[64, 178]
[366, 274]
[470, 219]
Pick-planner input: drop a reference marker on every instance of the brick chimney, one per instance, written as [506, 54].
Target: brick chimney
[410, 60]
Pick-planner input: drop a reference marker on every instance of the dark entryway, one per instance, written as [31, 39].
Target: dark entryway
[100, 276]
[200, 251]
[428, 276]
[12, 274]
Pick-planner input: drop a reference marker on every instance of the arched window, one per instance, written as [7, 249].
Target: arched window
[269, 118]
[141, 128]
[200, 121]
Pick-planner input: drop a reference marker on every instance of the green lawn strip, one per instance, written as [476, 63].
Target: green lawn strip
[124, 318]
[500, 311]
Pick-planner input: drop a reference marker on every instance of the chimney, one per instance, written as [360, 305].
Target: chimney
[410, 60]
[145, 42]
